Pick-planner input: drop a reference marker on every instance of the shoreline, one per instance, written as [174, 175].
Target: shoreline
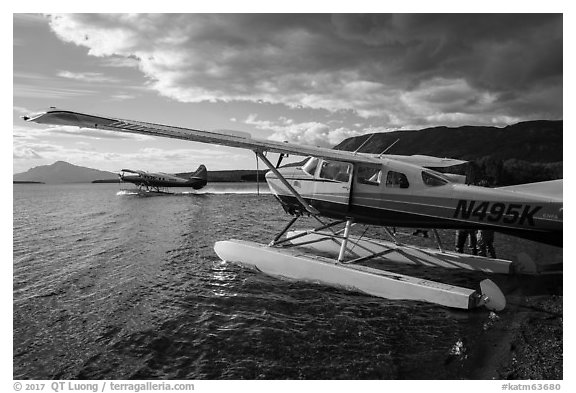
[525, 343]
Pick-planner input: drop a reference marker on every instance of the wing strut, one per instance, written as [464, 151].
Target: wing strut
[365, 142]
[305, 204]
[388, 148]
[257, 175]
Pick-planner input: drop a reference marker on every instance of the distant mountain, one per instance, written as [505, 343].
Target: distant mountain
[62, 172]
[531, 141]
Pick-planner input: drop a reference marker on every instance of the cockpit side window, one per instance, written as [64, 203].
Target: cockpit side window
[369, 175]
[396, 180]
[333, 170]
[432, 180]
[310, 166]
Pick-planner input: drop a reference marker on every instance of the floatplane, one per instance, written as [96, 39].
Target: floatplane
[150, 183]
[343, 188]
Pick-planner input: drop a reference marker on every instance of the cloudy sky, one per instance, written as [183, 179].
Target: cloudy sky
[312, 79]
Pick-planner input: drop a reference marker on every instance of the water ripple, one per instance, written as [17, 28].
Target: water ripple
[111, 286]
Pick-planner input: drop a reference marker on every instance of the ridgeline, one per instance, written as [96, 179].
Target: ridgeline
[521, 153]
[531, 141]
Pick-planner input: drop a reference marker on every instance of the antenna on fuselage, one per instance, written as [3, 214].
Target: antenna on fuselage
[365, 142]
[388, 148]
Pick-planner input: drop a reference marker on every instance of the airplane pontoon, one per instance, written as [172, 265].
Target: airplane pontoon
[341, 188]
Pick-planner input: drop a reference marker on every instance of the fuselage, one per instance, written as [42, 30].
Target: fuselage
[150, 179]
[401, 194]
[163, 180]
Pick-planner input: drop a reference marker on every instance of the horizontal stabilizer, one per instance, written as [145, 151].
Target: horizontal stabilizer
[548, 189]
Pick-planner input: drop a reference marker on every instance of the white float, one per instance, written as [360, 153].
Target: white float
[297, 264]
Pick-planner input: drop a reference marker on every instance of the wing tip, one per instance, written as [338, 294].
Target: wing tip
[32, 117]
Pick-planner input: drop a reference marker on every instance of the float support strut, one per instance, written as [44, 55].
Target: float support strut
[438, 241]
[345, 240]
[278, 236]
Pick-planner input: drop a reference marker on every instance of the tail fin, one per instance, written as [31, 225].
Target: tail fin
[200, 177]
[201, 173]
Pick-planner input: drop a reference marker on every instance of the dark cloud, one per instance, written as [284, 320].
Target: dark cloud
[400, 68]
[493, 51]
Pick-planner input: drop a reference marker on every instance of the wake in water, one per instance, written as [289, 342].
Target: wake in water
[233, 188]
[145, 193]
[236, 189]
[127, 192]
[227, 191]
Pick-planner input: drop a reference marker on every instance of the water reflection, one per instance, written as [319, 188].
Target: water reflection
[222, 280]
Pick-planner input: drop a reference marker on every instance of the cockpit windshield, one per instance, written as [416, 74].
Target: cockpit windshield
[432, 179]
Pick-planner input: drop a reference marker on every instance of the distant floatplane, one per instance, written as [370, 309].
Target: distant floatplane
[151, 183]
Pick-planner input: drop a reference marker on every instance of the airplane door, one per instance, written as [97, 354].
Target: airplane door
[333, 184]
[366, 189]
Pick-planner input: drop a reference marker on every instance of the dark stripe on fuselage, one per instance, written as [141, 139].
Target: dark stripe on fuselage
[306, 179]
[193, 183]
[386, 217]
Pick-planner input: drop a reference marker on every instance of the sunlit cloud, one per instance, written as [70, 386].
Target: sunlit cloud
[122, 97]
[307, 133]
[117, 62]
[26, 150]
[32, 76]
[90, 77]
[25, 153]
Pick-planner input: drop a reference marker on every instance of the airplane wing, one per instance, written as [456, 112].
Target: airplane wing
[427, 161]
[152, 174]
[132, 171]
[70, 118]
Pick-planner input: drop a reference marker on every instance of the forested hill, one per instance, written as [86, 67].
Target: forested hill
[526, 152]
[532, 141]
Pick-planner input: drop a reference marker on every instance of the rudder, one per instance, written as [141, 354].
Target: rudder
[200, 177]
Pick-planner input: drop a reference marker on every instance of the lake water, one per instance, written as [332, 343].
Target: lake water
[108, 285]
